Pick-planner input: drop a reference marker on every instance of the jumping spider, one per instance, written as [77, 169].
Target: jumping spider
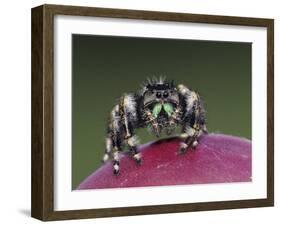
[160, 106]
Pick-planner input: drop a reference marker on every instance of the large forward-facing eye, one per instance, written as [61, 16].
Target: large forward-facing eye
[158, 95]
[165, 94]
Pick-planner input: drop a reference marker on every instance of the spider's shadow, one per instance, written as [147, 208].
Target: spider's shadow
[164, 140]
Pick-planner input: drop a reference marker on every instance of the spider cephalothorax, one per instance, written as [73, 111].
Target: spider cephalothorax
[161, 107]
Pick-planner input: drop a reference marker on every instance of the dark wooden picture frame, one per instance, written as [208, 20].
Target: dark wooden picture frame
[43, 120]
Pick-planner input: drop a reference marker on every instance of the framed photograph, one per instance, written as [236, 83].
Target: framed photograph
[142, 112]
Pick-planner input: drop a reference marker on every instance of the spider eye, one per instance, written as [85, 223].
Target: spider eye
[158, 95]
[166, 94]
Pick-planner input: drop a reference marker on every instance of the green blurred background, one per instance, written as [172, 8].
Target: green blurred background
[105, 67]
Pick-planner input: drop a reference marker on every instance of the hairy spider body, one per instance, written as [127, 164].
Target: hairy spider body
[159, 106]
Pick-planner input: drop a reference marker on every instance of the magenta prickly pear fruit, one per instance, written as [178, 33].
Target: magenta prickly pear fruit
[216, 159]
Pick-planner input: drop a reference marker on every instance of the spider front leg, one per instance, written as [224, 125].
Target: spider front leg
[112, 152]
[129, 118]
[189, 138]
[194, 121]
[133, 143]
[114, 139]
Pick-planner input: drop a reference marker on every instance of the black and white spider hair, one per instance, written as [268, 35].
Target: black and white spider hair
[160, 106]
